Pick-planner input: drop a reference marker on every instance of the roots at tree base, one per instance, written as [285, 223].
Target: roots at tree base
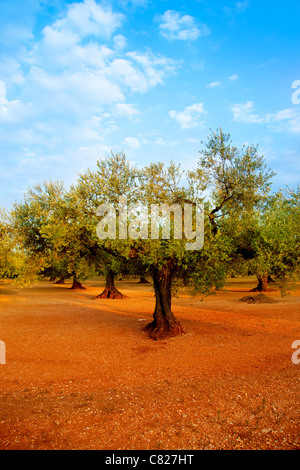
[109, 293]
[77, 285]
[162, 331]
[262, 285]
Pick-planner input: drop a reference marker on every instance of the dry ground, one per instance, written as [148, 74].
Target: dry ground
[81, 374]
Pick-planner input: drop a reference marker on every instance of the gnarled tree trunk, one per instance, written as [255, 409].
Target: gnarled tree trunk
[263, 285]
[164, 322]
[143, 280]
[76, 284]
[110, 291]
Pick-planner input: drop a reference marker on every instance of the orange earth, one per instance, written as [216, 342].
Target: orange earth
[82, 374]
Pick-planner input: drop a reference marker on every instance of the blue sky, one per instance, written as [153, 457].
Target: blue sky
[79, 79]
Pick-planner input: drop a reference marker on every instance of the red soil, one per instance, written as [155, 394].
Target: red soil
[82, 374]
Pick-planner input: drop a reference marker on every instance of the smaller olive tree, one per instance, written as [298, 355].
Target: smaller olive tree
[276, 244]
[52, 232]
[113, 178]
[12, 259]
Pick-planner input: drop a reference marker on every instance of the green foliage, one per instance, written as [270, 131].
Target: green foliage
[266, 239]
[236, 179]
[208, 269]
[14, 263]
[277, 240]
[10, 257]
[114, 177]
[52, 231]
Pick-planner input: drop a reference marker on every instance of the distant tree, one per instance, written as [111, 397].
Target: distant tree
[67, 229]
[111, 267]
[48, 225]
[265, 241]
[276, 243]
[11, 257]
[29, 219]
[6, 247]
[14, 262]
[113, 178]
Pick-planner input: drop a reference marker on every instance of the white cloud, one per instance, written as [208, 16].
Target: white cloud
[213, 85]
[74, 95]
[54, 38]
[243, 112]
[123, 71]
[120, 42]
[234, 77]
[11, 71]
[140, 71]
[3, 99]
[12, 111]
[190, 116]
[287, 120]
[131, 143]
[70, 71]
[67, 95]
[154, 67]
[92, 88]
[126, 110]
[174, 26]
[70, 74]
[89, 18]
[62, 48]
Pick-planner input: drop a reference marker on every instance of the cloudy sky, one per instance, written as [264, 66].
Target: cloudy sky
[79, 79]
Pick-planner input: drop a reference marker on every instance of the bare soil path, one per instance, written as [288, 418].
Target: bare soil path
[82, 374]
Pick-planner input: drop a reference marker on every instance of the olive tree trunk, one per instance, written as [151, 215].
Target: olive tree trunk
[76, 284]
[164, 322]
[263, 285]
[110, 291]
